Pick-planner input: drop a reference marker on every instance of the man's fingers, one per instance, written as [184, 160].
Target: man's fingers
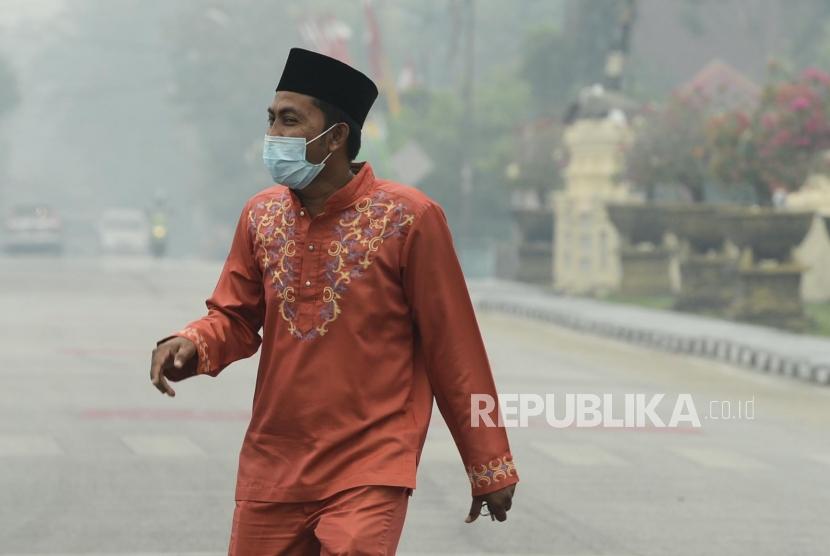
[475, 510]
[166, 388]
[159, 355]
[498, 510]
[498, 504]
[161, 358]
[182, 354]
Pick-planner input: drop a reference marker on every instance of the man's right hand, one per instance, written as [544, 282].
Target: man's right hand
[173, 359]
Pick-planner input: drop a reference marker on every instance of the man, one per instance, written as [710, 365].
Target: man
[365, 317]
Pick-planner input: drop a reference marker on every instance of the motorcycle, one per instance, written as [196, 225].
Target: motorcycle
[158, 239]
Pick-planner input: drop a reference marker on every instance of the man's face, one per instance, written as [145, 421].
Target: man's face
[295, 115]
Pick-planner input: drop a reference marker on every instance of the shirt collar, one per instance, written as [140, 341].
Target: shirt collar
[349, 194]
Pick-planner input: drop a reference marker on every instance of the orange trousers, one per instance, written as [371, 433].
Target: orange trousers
[360, 521]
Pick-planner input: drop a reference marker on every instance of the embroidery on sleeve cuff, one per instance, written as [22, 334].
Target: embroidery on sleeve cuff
[201, 346]
[492, 472]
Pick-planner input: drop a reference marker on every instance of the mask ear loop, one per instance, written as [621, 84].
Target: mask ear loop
[323, 133]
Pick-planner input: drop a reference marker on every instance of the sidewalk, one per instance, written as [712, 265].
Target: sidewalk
[754, 347]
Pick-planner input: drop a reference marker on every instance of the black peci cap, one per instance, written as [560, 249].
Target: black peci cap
[328, 79]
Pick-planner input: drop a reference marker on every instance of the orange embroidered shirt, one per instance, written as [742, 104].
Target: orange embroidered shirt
[365, 317]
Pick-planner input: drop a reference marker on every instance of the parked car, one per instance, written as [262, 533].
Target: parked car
[124, 231]
[33, 228]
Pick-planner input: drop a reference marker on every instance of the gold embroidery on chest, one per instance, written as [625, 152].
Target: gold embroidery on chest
[357, 235]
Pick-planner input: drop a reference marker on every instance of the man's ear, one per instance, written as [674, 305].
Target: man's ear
[339, 136]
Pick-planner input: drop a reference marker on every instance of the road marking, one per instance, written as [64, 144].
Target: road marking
[578, 454]
[720, 459]
[28, 445]
[162, 445]
[164, 414]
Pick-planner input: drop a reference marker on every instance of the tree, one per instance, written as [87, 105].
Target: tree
[558, 62]
[227, 57]
[781, 142]
[432, 118]
[670, 146]
[540, 158]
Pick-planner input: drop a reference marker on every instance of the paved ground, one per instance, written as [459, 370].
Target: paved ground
[94, 461]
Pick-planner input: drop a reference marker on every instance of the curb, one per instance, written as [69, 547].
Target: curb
[751, 357]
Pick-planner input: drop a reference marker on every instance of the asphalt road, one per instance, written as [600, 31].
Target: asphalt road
[93, 460]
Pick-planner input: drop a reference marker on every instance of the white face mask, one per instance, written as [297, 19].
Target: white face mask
[285, 158]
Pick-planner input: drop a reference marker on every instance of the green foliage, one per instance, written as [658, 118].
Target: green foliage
[227, 58]
[552, 77]
[664, 302]
[539, 158]
[434, 120]
[818, 314]
[557, 62]
[501, 107]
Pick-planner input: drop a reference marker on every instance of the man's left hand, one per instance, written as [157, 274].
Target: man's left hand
[498, 503]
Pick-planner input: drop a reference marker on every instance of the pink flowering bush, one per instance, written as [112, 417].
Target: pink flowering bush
[727, 142]
[781, 142]
[670, 145]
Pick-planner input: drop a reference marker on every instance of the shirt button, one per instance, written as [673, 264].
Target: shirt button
[311, 247]
[308, 282]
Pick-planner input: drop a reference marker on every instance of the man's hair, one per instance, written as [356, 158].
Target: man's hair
[334, 115]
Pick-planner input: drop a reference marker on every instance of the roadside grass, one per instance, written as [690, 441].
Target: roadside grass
[650, 301]
[819, 315]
